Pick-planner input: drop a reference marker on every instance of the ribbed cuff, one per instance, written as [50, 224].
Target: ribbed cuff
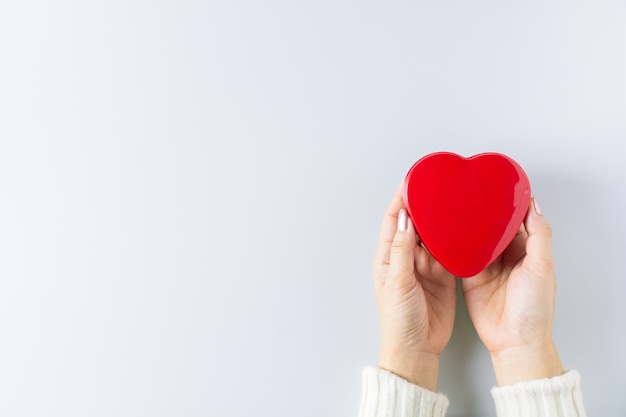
[559, 396]
[388, 395]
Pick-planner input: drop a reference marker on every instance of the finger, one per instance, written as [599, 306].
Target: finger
[387, 232]
[539, 242]
[516, 249]
[401, 256]
[522, 230]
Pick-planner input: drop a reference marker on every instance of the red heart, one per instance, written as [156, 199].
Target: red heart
[466, 210]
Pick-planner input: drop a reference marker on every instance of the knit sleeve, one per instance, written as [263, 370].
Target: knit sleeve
[388, 395]
[550, 397]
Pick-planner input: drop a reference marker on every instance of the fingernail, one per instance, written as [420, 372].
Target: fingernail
[402, 220]
[537, 206]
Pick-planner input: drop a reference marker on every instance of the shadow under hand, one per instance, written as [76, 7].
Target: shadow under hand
[465, 373]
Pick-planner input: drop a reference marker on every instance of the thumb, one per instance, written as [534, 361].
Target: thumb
[539, 242]
[401, 257]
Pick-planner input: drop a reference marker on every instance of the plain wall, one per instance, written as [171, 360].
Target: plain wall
[190, 192]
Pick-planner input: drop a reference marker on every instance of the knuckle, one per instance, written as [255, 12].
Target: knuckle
[399, 242]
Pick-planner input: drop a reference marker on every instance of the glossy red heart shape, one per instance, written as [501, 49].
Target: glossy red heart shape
[466, 211]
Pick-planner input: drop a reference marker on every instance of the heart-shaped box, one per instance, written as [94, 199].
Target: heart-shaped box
[466, 211]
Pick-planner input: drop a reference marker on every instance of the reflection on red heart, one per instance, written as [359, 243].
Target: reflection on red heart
[466, 210]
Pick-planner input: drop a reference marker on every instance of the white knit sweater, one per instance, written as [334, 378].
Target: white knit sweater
[387, 395]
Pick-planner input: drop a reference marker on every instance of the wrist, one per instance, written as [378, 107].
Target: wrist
[419, 368]
[526, 362]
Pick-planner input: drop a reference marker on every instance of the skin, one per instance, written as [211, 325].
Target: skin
[416, 301]
[511, 303]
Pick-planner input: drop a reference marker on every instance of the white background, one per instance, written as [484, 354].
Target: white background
[190, 192]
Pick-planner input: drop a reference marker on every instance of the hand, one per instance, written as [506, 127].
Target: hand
[416, 300]
[511, 304]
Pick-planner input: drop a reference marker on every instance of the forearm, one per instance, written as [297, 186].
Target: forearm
[388, 395]
[524, 363]
[559, 396]
[419, 368]
[531, 381]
